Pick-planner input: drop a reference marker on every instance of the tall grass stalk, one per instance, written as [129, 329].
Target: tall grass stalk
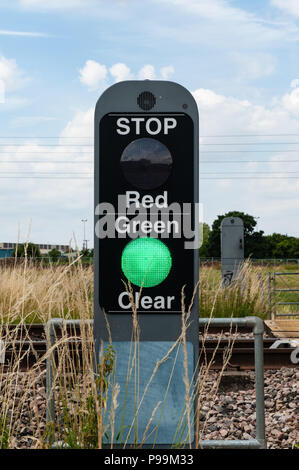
[83, 413]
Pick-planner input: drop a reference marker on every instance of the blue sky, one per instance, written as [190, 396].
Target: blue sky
[240, 59]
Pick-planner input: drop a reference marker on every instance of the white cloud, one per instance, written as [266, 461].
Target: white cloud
[55, 4]
[29, 121]
[147, 72]
[213, 9]
[222, 10]
[221, 114]
[92, 74]
[13, 102]
[280, 167]
[32, 190]
[80, 128]
[11, 75]
[167, 72]
[216, 23]
[120, 72]
[39, 196]
[289, 6]
[5, 32]
[291, 101]
[207, 98]
[264, 187]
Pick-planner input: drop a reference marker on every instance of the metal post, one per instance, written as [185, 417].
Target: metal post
[269, 296]
[259, 385]
[274, 297]
[84, 239]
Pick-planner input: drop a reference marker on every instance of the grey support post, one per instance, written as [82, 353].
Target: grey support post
[232, 248]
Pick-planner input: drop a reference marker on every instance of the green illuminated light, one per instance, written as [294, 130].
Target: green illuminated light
[146, 262]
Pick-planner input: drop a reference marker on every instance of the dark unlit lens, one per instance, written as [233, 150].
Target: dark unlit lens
[146, 163]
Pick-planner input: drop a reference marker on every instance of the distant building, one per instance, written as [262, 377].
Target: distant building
[44, 248]
[5, 253]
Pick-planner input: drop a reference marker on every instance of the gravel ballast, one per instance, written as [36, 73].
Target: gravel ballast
[230, 414]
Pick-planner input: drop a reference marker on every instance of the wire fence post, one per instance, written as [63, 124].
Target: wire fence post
[269, 297]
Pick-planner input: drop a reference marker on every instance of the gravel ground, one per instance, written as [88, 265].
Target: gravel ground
[230, 414]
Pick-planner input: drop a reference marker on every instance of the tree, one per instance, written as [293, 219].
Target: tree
[257, 245]
[250, 241]
[29, 249]
[272, 242]
[54, 254]
[86, 253]
[203, 250]
[287, 248]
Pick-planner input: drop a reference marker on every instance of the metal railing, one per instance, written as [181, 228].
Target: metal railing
[274, 291]
[256, 261]
[254, 323]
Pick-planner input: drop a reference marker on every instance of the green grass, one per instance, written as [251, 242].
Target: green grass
[244, 297]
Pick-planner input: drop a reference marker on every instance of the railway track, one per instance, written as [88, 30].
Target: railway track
[28, 345]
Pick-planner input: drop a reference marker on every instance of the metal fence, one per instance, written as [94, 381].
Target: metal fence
[8, 260]
[256, 261]
[276, 297]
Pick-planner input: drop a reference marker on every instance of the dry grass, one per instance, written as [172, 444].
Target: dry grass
[81, 400]
[30, 294]
[33, 294]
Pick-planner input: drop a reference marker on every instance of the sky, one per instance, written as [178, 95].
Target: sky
[239, 58]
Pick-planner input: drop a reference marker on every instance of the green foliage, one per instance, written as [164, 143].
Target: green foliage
[4, 433]
[54, 254]
[235, 300]
[245, 296]
[28, 249]
[256, 244]
[203, 250]
[230, 301]
[287, 248]
[85, 253]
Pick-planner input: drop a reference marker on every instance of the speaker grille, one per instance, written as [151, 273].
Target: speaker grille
[146, 100]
